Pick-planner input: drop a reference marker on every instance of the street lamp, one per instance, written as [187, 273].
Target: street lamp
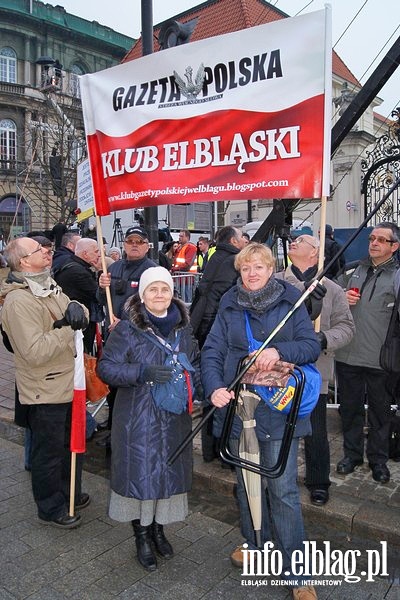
[51, 73]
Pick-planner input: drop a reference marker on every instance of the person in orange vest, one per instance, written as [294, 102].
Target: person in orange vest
[185, 258]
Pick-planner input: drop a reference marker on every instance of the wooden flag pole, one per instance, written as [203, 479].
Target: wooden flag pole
[321, 257]
[72, 485]
[104, 266]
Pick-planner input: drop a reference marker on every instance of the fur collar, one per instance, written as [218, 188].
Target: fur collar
[138, 317]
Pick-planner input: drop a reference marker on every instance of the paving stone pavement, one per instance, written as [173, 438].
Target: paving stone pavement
[97, 561]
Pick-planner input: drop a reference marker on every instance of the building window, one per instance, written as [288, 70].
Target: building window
[74, 90]
[8, 65]
[8, 144]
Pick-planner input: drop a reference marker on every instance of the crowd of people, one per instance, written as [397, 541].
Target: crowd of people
[159, 354]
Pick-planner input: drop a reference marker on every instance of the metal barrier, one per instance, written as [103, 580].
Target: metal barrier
[185, 284]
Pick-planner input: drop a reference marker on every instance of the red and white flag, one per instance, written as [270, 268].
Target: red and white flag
[242, 115]
[78, 420]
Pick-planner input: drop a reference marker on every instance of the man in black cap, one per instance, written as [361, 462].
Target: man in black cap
[123, 279]
[123, 276]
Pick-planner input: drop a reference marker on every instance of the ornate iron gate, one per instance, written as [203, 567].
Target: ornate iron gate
[380, 168]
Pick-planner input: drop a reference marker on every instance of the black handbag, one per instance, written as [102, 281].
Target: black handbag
[389, 357]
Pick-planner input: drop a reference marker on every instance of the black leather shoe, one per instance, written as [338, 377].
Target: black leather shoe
[64, 522]
[161, 543]
[347, 465]
[319, 497]
[380, 473]
[83, 501]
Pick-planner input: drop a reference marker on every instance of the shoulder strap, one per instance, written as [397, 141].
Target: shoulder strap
[394, 317]
[161, 343]
[64, 267]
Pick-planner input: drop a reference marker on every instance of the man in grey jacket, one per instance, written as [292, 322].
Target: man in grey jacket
[371, 293]
[336, 330]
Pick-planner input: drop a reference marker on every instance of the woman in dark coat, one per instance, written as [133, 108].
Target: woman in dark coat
[264, 301]
[144, 489]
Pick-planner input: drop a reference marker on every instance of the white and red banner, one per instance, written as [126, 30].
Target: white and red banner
[239, 116]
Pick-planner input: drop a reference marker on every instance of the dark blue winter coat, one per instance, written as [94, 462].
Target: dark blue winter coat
[143, 436]
[227, 344]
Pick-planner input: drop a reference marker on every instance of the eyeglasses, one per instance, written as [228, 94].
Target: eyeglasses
[38, 249]
[135, 242]
[300, 240]
[380, 239]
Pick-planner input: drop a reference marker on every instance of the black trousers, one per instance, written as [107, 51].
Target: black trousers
[51, 459]
[355, 385]
[316, 448]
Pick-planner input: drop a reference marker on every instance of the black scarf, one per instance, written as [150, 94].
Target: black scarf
[259, 300]
[308, 274]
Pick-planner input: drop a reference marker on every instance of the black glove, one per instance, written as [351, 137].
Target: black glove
[74, 317]
[314, 301]
[318, 293]
[156, 374]
[322, 340]
[199, 393]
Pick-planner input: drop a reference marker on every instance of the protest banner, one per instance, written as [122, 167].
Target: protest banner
[241, 115]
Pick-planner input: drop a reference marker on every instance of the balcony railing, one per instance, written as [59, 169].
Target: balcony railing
[12, 88]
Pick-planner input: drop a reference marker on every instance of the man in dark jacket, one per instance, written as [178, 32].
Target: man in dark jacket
[371, 294]
[65, 252]
[123, 275]
[219, 276]
[331, 249]
[77, 278]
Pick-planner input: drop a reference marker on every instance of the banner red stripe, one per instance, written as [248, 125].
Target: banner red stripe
[244, 154]
[78, 422]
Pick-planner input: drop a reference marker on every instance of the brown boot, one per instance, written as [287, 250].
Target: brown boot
[305, 593]
[237, 557]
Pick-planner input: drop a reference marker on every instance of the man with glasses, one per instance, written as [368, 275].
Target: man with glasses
[371, 293]
[336, 330]
[124, 275]
[123, 280]
[40, 321]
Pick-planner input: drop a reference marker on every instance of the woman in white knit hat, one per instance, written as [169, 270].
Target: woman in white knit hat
[153, 360]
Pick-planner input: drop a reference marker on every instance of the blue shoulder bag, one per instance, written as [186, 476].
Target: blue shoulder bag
[281, 398]
[176, 395]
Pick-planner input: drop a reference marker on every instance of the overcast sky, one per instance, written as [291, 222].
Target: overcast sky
[362, 46]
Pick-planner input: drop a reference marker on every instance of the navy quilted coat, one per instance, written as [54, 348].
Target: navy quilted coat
[142, 436]
[227, 344]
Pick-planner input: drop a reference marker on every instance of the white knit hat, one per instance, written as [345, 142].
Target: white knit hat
[153, 274]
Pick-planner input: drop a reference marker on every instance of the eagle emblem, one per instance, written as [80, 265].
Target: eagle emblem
[190, 89]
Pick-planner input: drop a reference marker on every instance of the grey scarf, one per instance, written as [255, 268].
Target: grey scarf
[259, 300]
[40, 284]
